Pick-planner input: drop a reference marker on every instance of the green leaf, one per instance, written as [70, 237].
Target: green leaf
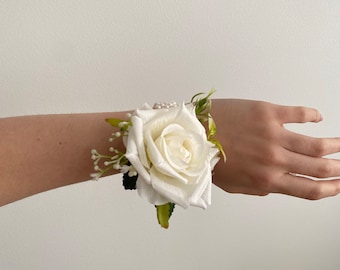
[219, 147]
[202, 105]
[195, 96]
[114, 121]
[212, 91]
[212, 127]
[164, 213]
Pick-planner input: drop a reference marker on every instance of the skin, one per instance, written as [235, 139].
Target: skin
[263, 157]
[39, 153]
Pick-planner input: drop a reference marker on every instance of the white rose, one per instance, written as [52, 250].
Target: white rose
[170, 151]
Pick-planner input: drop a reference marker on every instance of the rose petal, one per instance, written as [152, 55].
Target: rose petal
[170, 144]
[146, 114]
[186, 117]
[158, 161]
[167, 187]
[196, 198]
[161, 165]
[134, 160]
[205, 200]
[147, 192]
[134, 139]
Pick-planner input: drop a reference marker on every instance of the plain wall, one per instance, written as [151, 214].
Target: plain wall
[74, 56]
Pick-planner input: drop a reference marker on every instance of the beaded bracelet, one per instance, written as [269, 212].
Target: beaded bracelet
[169, 154]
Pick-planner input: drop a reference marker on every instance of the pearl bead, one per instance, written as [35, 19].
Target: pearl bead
[164, 105]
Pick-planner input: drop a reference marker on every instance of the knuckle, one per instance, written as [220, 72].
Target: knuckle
[302, 112]
[261, 111]
[319, 147]
[264, 183]
[270, 133]
[272, 156]
[324, 170]
[316, 193]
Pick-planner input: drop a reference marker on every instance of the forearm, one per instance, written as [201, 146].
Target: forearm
[39, 153]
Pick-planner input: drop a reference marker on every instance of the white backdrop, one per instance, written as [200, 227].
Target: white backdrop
[72, 56]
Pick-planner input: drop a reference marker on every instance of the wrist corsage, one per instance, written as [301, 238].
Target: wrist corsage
[169, 154]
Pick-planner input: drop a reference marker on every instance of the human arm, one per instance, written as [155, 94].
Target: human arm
[39, 153]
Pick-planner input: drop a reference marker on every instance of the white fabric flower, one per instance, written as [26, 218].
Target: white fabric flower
[170, 151]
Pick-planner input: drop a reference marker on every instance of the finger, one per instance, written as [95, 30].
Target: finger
[297, 114]
[303, 187]
[312, 166]
[316, 147]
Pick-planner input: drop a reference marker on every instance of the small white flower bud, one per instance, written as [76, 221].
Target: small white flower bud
[122, 124]
[132, 173]
[116, 166]
[95, 176]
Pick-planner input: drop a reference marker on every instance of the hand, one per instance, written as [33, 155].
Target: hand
[263, 157]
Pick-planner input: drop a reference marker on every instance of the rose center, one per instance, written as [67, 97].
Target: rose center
[179, 151]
